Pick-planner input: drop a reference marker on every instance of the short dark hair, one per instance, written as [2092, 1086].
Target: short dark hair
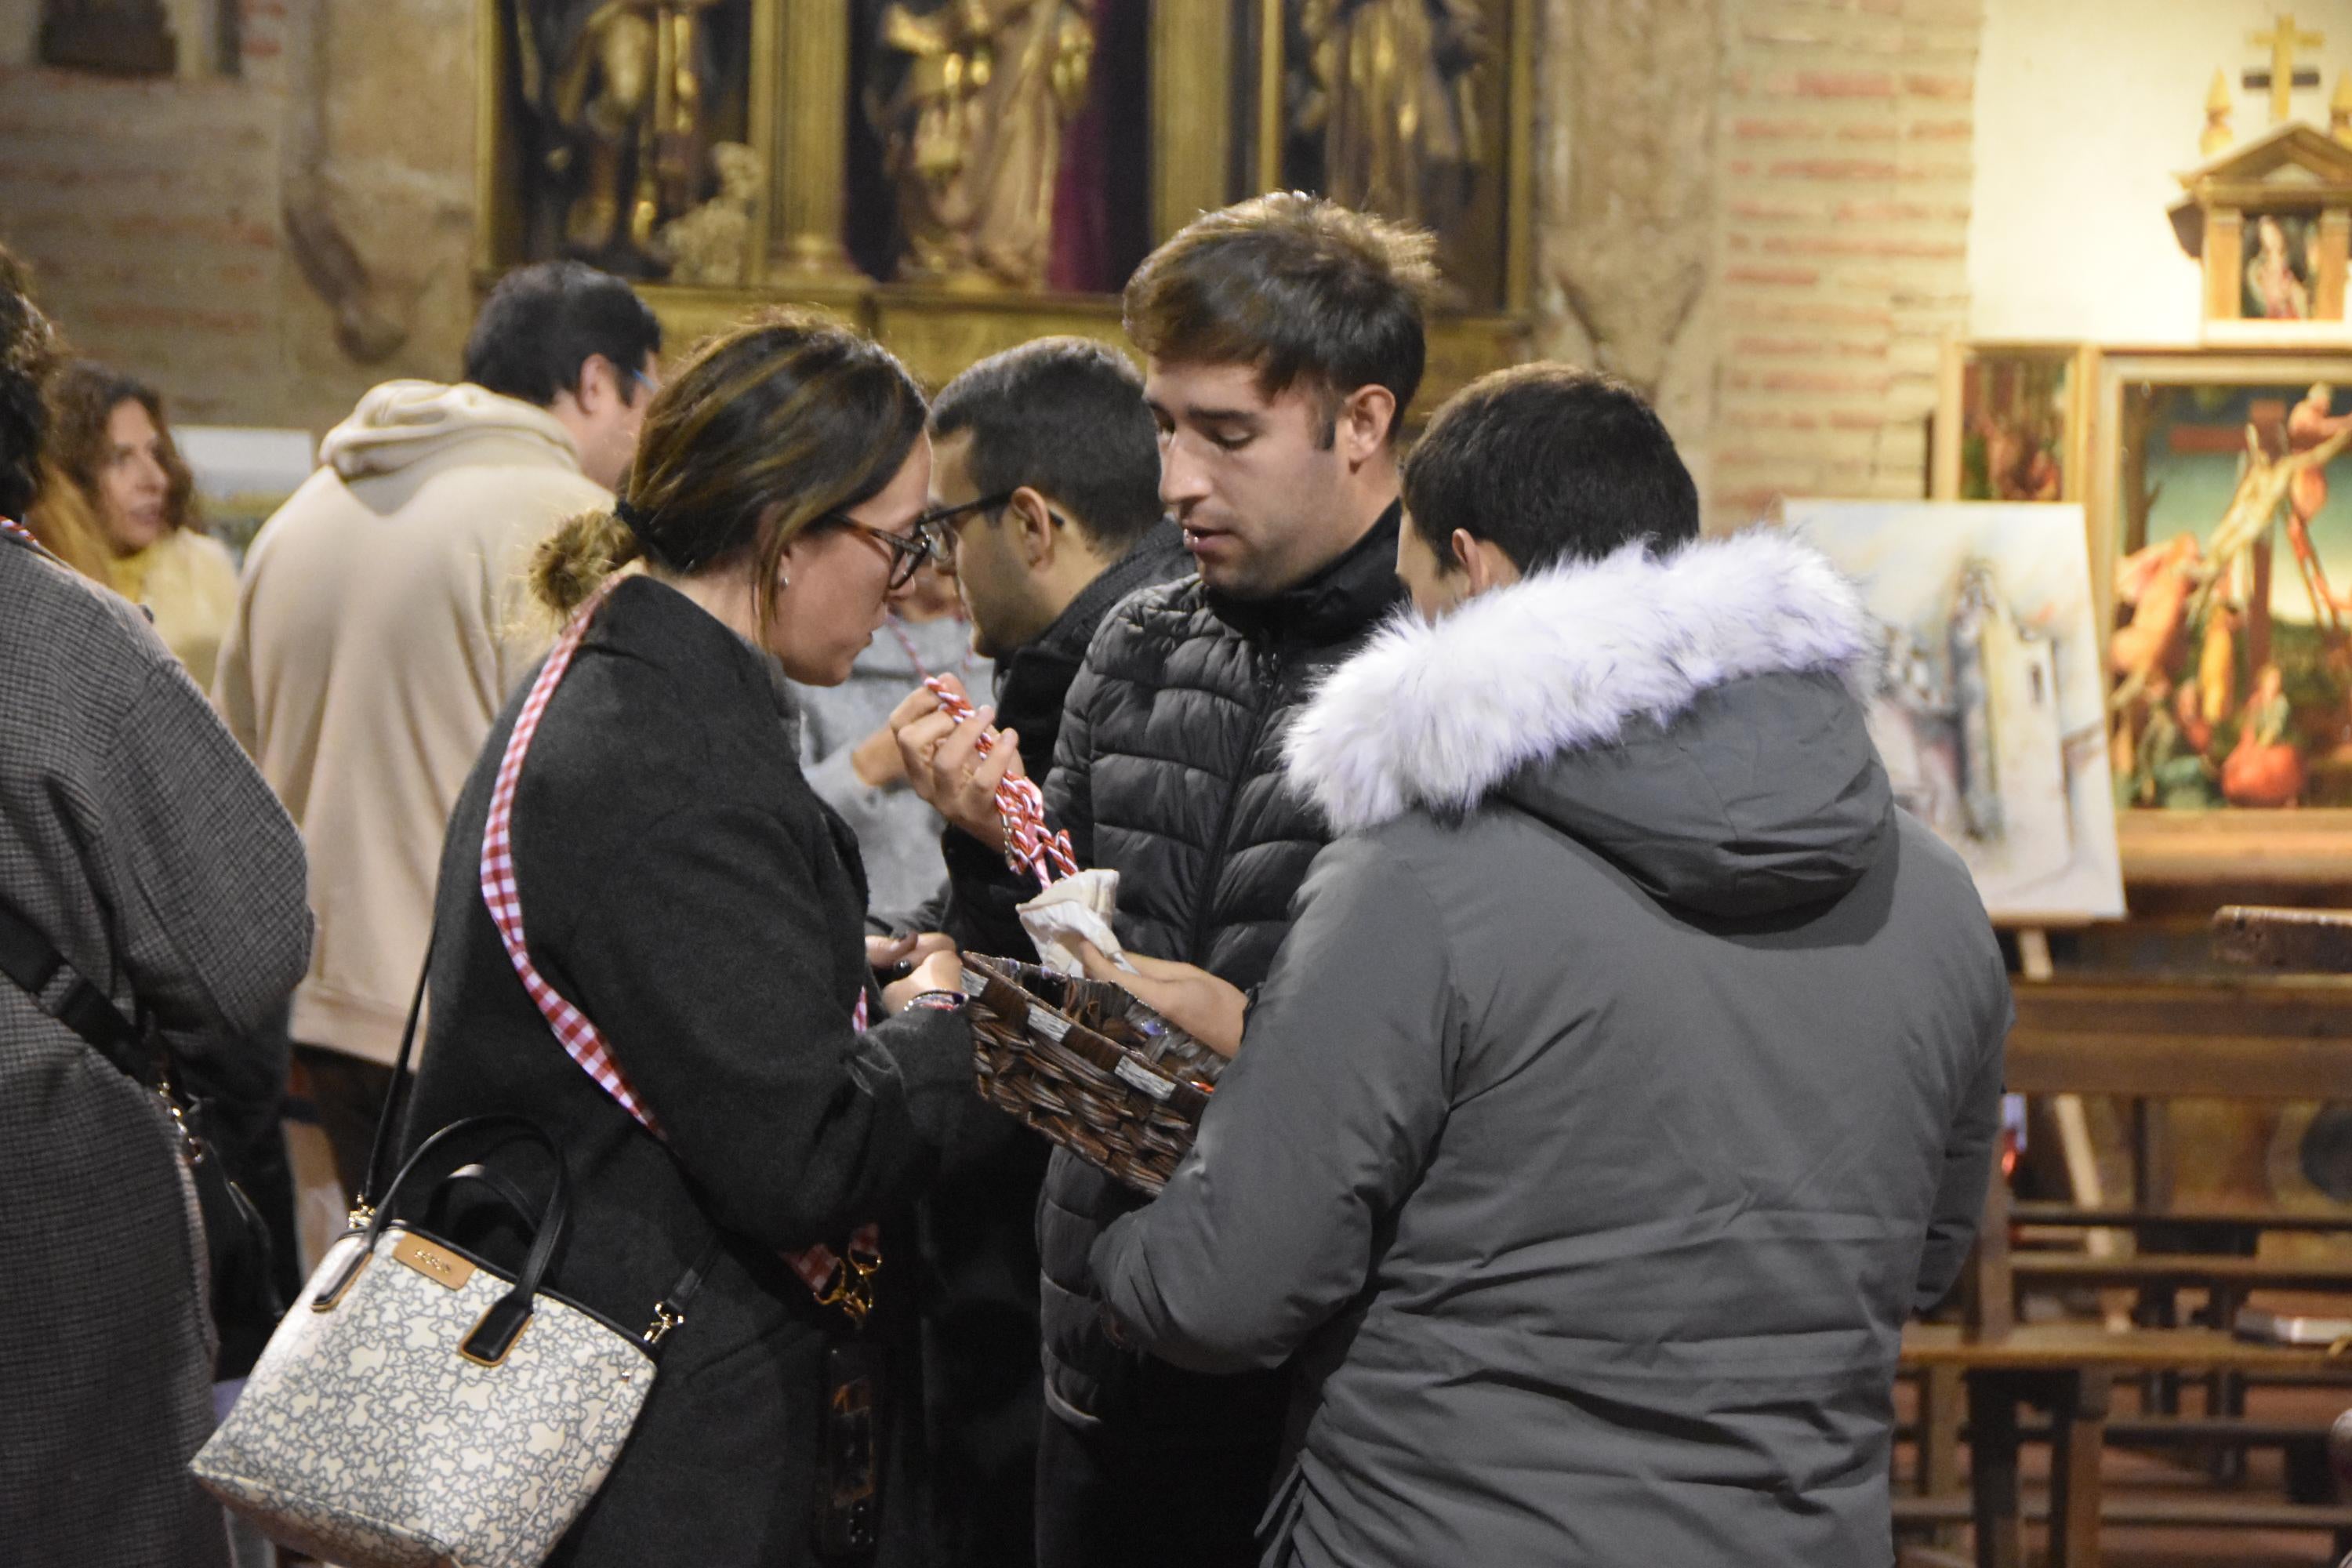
[1301, 288]
[28, 350]
[1551, 464]
[542, 322]
[1066, 417]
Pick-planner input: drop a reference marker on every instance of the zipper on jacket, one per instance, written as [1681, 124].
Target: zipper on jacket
[1266, 669]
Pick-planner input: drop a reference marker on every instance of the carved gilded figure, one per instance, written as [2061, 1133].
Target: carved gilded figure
[711, 246]
[1385, 92]
[628, 98]
[972, 132]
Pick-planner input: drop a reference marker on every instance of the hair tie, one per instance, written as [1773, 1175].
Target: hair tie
[633, 518]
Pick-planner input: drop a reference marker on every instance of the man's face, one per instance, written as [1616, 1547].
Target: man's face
[991, 575]
[1255, 482]
[613, 403]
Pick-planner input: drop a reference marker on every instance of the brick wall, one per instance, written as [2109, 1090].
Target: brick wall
[1845, 144]
[151, 209]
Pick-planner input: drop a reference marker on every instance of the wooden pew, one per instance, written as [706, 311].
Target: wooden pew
[2259, 1038]
[2070, 1369]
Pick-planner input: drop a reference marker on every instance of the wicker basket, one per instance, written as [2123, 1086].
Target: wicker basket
[1089, 1067]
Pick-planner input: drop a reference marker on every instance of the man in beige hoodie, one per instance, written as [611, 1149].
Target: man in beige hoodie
[381, 623]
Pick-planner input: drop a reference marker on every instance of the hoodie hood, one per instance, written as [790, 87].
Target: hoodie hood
[403, 423]
[1693, 717]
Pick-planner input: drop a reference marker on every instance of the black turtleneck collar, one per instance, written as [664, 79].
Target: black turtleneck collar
[1334, 604]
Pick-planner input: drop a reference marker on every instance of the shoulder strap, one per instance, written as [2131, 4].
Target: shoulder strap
[30, 958]
[387, 1116]
[580, 1039]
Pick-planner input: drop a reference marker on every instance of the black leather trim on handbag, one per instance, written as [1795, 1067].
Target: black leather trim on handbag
[237, 1241]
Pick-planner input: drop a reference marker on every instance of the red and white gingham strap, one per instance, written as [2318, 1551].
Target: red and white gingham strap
[10, 526]
[817, 1267]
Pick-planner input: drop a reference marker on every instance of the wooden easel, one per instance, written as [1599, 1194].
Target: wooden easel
[2073, 1122]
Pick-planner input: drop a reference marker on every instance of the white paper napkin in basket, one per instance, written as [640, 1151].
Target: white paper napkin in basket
[1074, 907]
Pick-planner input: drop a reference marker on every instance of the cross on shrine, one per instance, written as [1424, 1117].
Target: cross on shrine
[2283, 75]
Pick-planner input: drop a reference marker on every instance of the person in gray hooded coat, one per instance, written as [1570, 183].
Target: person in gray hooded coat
[1632, 1070]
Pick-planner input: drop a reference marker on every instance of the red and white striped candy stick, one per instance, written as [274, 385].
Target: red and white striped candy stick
[1029, 845]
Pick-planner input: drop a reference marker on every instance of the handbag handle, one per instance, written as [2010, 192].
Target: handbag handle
[388, 1114]
[509, 1196]
[495, 1334]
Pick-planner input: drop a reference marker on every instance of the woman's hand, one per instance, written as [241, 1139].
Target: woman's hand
[886, 954]
[940, 969]
[1195, 1001]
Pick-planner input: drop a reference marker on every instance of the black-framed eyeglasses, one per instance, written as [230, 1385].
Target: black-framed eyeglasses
[927, 542]
[939, 521]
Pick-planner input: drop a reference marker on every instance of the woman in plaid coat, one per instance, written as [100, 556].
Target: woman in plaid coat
[137, 839]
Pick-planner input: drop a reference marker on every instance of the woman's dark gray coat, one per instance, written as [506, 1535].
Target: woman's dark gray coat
[1630, 1074]
[682, 886]
[141, 842]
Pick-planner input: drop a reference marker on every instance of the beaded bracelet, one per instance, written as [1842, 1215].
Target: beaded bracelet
[939, 1001]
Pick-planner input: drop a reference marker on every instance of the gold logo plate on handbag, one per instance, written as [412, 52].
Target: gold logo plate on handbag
[443, 1268]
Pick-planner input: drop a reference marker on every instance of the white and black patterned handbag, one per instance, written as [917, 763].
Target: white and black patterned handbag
[419, 1406]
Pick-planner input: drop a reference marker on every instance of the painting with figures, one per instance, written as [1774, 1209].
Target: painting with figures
[2013, 432]
[2230, 660]
[2282, 271]
[1987, 710]
[2010, 423]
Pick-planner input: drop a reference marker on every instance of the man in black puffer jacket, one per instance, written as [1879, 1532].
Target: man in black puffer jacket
[1285, 340]
[1046, 476]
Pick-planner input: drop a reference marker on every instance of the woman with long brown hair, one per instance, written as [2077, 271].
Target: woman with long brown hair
[126, 491]
[682, 888]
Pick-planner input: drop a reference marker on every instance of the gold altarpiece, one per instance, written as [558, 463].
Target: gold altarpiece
[730, 153]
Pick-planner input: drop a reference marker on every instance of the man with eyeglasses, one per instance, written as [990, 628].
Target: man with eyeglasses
[382, 619]
[1044, 489]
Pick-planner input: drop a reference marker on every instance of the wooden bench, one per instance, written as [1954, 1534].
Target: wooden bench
[2181, 1271]
[2257, 1038]
[2069, 1370]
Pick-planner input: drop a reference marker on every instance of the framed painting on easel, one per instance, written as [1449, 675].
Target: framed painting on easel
[1987, 711]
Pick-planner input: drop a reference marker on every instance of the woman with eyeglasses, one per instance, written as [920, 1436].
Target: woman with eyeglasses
[683, 889]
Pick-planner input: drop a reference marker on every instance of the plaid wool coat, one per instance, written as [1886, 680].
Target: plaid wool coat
[137, 837]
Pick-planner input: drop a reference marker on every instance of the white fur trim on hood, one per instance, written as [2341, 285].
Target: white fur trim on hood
[1437, 715]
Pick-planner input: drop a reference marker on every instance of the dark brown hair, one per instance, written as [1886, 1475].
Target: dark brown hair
[1300, 288]
[1067, 417]
[28, 348]
[764, 430]
[84, 396]
[1552, 464]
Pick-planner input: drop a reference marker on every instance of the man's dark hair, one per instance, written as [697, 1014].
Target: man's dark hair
[1300, 288]
[1067, 417]
[28, 350]
[1551, 464]
[542, 321]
